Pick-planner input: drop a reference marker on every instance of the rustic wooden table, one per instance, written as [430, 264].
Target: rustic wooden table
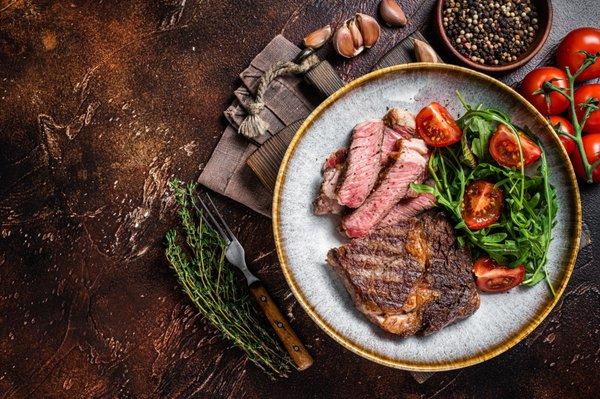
[101, 102]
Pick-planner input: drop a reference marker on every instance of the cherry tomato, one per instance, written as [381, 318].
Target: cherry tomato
[436, 126]
[582, 94]
[560, 124]
[591, 145]
[504, 148]
[482, 204]
[568, 55]
[534, 81]
[492, 277]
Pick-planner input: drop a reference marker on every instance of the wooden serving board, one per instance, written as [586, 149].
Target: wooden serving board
[266, 159]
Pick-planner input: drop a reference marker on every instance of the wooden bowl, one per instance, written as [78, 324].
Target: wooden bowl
[544, 8]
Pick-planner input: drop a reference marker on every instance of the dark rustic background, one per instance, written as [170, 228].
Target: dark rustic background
[101, 102]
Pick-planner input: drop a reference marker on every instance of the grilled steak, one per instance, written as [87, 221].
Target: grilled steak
[409, 278]
[407, 208]
[408, 167]
[362, 165]
[389, 144]
[398, 124]
[326, 201]
[449, 272]
[402, 121]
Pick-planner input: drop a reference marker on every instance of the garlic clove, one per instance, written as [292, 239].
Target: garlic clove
[357, 38]
[424, 52]
[343, 42]
[318, 38]
[369, 28]
[391, 13]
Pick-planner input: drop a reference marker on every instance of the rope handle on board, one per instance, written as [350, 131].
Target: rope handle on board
[253, 126]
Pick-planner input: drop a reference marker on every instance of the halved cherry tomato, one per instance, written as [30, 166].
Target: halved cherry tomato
[436, 126]
[534, 81]
[568, 55]
[482, 204]
[560, 124]
[591, 145]
[582, 94]
[504, 148]
[492, 277]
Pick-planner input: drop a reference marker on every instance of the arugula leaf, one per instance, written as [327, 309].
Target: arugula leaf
[480, 130]
[494, 238]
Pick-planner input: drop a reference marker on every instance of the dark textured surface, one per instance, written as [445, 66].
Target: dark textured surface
[100, 103]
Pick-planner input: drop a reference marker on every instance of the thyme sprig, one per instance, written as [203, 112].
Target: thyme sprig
[211, 284]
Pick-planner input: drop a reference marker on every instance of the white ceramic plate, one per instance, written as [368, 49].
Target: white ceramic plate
[303, 239]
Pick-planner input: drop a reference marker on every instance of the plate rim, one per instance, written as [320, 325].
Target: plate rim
[355, 347]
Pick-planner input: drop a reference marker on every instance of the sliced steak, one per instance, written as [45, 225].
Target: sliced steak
[407, 208]
[409, 278]
[408, 167]
[389, 144]
[326, 202]
[362, 165]
[398, 124]
[402, 121]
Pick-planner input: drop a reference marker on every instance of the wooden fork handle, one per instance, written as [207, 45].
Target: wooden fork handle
[288, 338]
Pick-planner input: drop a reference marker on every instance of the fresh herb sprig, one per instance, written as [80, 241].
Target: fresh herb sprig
[522, 235]
[211, 284]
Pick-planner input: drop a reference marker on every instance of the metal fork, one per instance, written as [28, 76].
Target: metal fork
[236, 256]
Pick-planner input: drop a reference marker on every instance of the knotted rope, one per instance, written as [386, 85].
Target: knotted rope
[253, 126]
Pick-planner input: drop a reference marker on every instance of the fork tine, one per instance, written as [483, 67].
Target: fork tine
[212, 221]
[223, 223]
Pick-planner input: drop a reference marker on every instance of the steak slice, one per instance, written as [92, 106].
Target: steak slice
[326, 201]
[407, 208]
[408, 278]
[389, 144]
[362, 165]
[408, 167]
[398, 124]
[402, 121]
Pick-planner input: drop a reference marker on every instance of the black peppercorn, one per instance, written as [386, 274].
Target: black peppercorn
[492, 32]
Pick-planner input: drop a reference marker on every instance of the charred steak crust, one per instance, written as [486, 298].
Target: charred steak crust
[408, 278]
[449, 272]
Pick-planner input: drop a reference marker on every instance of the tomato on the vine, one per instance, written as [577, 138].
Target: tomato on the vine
[437, 127]
[533, 82]
[561, 124]
[583, 94]
[492, 277]
[591, 145]
[568, 55]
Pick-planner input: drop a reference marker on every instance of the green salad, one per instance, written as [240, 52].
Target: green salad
[493, 179]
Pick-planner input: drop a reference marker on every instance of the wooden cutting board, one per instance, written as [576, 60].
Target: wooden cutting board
[266, 159]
